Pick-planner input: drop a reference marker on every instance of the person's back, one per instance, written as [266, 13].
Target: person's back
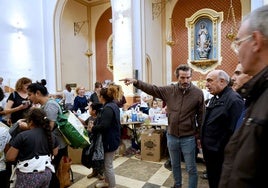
[33, 149]
[68, 97]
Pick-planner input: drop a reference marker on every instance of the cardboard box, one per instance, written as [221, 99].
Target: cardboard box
[151, 145]
[75, 155]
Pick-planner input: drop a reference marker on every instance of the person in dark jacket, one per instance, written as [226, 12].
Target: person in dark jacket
[97, 165]
[94, 96]
[109, 126]
[185, 111]
[222, 113]
[245, 158]
[80, 101]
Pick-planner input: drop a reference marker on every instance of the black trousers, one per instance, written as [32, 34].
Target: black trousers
[56, 161]
[213, 161]
[54, 182]
[4, 178]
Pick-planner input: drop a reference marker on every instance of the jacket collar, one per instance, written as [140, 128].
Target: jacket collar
[255, 86]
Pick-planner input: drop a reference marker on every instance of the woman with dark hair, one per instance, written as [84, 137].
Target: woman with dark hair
[92, 156]
[38, 94]
[33, 148]
[109, 126]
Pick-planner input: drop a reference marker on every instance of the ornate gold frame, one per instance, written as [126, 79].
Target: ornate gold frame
[204, 65]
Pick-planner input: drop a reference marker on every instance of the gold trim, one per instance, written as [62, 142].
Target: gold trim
[204, 63]
[198, 64]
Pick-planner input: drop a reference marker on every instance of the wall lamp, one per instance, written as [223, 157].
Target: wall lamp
[18, 30]
[88, 53]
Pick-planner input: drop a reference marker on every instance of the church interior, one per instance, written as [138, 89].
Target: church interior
[80, 42]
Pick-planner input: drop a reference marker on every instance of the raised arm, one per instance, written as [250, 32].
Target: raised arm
[129, 81]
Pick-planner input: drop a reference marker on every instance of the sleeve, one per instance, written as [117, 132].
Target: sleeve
[104, 121]
[75, 107]
[201, 111]
[162, 92]
[235, 112]
[4, 138]
[17, 141]
[11, 96]
[55, 141]
[52, 111]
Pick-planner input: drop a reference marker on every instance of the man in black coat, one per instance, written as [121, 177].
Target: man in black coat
[222, 113]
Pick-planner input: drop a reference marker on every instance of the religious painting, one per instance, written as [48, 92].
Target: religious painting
[204, 38]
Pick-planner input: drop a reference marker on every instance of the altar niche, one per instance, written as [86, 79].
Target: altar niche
[204, 38]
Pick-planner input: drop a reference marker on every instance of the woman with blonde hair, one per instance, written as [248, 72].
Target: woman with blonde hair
[80, 101]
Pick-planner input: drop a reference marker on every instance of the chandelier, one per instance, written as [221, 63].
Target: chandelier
[231, 18]
[170, 38]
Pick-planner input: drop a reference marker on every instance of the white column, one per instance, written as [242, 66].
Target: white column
[123, 65]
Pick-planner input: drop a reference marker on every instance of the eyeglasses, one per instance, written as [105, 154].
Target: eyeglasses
[236, 44]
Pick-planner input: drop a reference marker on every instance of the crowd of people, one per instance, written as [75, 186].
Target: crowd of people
[230, 126]
[30, 111]
[233, 125]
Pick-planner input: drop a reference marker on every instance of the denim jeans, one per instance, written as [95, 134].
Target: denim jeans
[109, 169]
[186, 146]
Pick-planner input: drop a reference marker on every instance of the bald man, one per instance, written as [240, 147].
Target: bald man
[222, 113]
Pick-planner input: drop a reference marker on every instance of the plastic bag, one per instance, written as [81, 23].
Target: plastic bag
[73, 130]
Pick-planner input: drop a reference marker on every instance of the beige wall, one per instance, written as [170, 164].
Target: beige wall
[74, 63]
[76, 67]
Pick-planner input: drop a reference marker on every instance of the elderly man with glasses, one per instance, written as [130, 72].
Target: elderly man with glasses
[246, 154]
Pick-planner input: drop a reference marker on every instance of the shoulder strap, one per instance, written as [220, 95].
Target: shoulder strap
[53, 101]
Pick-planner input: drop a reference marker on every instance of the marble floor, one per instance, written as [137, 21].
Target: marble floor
[132, 172]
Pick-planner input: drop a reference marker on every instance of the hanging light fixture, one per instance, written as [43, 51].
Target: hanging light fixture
[170, 40]
[233, 28]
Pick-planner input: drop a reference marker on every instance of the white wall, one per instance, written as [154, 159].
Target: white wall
[154, 43]
[26, 35]
[22, 40]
